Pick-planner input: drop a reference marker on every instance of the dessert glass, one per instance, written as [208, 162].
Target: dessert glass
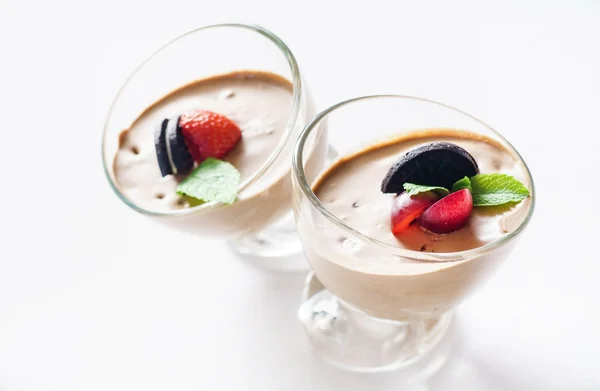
[249, 223]
[383, 319]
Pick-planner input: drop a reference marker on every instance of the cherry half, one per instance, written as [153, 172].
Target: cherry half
[448, 214]
[406, 209]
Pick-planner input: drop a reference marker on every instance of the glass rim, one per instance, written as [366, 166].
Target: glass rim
[305, 187]
[297, 90]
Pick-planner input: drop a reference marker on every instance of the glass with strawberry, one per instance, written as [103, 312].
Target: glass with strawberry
[200, 137]
[422, 207]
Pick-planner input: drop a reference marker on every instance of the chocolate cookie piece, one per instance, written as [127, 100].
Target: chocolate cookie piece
[172, 152]
[181, 158]
[160, 143]
[434, 164]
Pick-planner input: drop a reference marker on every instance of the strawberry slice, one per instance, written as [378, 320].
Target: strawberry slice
[209, 134]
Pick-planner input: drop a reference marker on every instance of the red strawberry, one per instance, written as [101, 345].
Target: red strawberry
[209, 134]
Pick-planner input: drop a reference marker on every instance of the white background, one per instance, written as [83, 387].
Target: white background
[96, 297]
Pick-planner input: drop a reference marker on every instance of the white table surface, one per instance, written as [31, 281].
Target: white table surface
[96, 297]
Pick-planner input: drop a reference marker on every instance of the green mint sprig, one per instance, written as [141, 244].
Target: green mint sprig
[212, 180]
[464, 183]
[486, 189]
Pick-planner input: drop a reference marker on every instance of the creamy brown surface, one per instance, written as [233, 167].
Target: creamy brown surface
[259, 103]
[371, 276]
[351, 191]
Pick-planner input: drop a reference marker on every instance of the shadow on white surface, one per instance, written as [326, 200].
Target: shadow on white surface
[295, 265]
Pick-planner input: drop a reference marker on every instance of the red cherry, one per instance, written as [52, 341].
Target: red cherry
[448, 214]
[406, 209]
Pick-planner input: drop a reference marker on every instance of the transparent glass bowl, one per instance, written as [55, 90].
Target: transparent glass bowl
[380, 320]
[264, 198]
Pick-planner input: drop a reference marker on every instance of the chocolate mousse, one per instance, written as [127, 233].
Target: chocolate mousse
[366, 208]
[155, 152]
[412, 259]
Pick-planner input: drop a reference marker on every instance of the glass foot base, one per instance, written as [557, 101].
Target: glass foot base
[352, 340]
[277, 241]
[276, 248]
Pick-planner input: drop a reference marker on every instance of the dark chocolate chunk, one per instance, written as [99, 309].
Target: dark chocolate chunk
[160, 142]
[434, 164]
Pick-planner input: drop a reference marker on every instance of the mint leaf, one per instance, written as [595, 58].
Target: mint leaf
[412, 189]
[496, 189]
[460, 184]
[212, 180]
